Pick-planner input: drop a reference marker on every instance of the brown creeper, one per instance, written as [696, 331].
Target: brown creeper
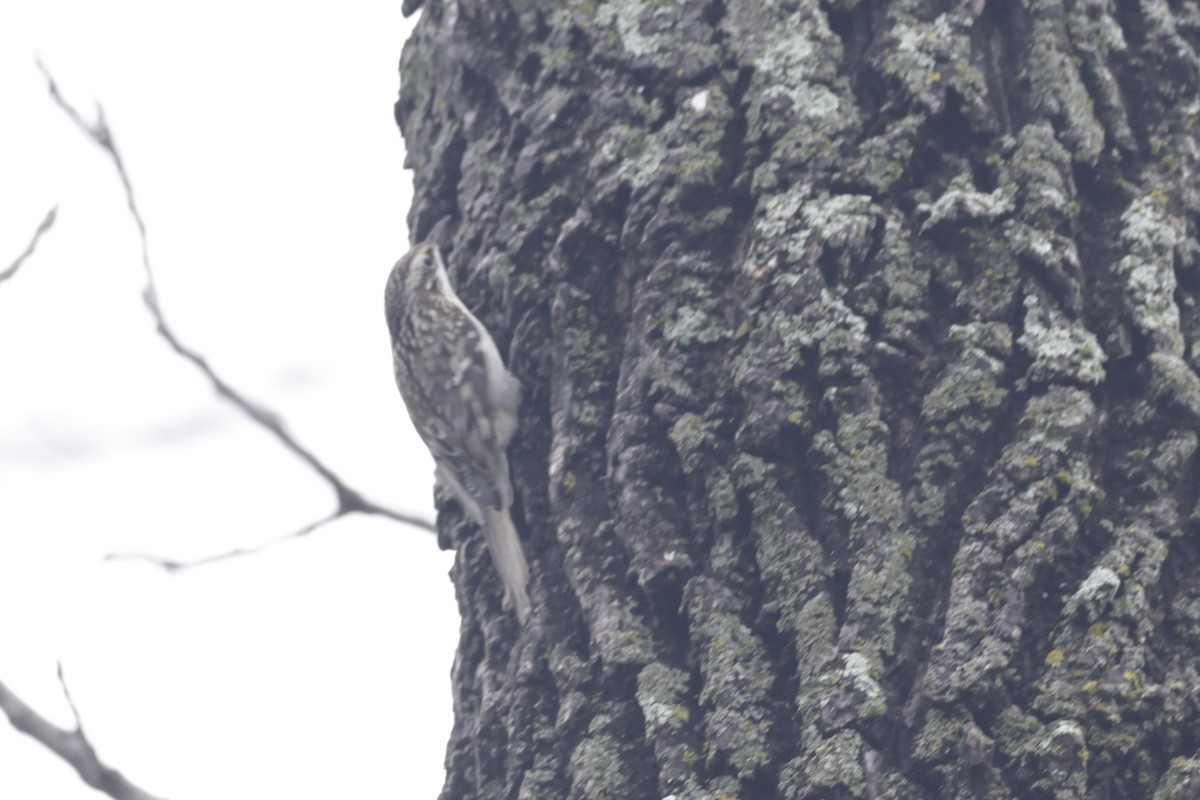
[462, 400]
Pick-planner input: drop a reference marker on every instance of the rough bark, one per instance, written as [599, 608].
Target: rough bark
[858, 451]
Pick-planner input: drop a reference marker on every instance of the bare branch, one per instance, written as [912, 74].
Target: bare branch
[349, 501]
[74, 746]
[45, 225]
[71, 746]
[172, 565]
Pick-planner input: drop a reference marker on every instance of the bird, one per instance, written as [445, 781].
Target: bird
[463, 402]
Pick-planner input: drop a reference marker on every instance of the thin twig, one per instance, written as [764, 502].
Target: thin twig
[349, 501]
[45, 225]
[71, 746]
[172, 565]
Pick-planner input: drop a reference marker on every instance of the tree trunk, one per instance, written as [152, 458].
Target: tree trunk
[857, 337]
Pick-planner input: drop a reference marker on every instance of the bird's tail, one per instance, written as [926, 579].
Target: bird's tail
[509, 558]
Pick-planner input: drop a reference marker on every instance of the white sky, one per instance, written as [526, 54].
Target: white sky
[260, 140]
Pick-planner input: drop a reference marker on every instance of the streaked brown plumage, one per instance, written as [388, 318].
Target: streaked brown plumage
[462, 401]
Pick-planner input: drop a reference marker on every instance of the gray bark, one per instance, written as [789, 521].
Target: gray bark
[857, 458]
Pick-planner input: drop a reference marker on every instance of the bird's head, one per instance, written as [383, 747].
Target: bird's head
[417, 274]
